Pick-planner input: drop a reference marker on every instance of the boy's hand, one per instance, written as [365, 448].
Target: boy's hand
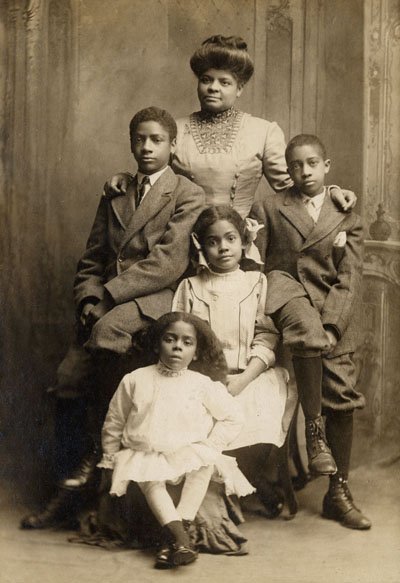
[345, 199]
[100, 310]
[87, 308]
[117, 185]
[332, 340]
[235, 383]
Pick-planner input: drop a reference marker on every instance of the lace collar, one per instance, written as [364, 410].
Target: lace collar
[167, 372]
[215, 132]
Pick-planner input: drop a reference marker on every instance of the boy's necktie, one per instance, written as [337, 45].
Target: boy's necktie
[141, 190]
[311, 209]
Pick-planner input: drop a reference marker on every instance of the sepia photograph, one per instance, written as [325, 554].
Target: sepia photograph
[200, 291]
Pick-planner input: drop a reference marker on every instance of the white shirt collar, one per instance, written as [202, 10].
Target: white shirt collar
[152, 177]
[317, 200]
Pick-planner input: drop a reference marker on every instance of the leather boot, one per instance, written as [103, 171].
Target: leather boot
[85, 475]
[338, 505]
[320, 459]
[59, 512]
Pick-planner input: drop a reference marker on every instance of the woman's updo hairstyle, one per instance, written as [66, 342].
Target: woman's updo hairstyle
[223, 52]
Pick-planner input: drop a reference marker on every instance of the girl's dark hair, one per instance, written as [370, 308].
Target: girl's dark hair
[223, 52]
[210, 357]
[152, 113]
[212, 214]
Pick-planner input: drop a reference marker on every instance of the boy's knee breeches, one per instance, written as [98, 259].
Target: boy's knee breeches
[301, 328]
[115, 329]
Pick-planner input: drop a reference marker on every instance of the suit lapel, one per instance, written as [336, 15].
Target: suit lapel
[330, 217]
[293, 209]
[123, 205]
[156, 198]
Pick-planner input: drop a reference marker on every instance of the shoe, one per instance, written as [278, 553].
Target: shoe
[85, 474]
[271, 499]
[338, 505]
[177, 533]
[183, 555]
[57, 513]
[164, 558]
[320, 459]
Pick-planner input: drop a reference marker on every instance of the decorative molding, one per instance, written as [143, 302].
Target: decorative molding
[382, 112]
[279, 17]
[382, 260]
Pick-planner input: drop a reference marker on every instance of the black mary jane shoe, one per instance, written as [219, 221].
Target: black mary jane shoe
[183, 555]
[164, 558]
[271, 498]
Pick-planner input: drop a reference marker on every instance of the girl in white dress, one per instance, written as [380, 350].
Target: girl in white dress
[167, 423]
[233, 302]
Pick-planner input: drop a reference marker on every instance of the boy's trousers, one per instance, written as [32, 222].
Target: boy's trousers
[302, 331]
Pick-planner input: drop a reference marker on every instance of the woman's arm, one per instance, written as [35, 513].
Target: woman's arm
[237, 382]
[118, 184]
[343, 199]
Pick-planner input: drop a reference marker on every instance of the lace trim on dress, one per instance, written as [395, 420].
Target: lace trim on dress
[215, 132]
[167, 372]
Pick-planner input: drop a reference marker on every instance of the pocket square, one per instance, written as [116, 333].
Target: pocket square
[340, 239]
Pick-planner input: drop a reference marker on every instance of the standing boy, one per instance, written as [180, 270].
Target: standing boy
[137, 250]
[313, 258]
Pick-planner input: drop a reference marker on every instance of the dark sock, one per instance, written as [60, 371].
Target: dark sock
[339, 433]
[308, 373]
[177, 533]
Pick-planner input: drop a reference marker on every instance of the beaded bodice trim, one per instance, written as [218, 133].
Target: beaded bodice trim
[216, 132]
[167, 372]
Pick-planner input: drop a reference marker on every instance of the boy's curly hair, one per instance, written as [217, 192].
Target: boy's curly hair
[210, 357]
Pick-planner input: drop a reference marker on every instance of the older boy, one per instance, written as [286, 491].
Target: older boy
[137, 250]
[313, 258]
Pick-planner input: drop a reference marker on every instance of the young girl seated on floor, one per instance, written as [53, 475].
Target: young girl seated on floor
[233, 302]
[169, 422]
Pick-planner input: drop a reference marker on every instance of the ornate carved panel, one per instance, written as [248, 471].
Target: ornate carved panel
[382, 111]
[377, 358]
[288, 73]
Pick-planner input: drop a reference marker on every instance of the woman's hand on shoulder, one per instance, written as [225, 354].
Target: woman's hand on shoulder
[344, 199]
[235, 383]
[117, 185]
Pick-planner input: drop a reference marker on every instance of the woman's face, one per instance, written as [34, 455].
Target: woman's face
[217, 90]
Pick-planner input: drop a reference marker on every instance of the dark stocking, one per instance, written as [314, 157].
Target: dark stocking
[308, 373]
[339, 433]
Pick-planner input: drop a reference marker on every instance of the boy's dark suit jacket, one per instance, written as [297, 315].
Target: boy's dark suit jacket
[137, 254]
[329, 274]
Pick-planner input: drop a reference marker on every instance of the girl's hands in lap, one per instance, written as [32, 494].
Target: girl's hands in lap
[236, 383]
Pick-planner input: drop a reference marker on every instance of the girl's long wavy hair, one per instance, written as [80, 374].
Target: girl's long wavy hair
[210, 357]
